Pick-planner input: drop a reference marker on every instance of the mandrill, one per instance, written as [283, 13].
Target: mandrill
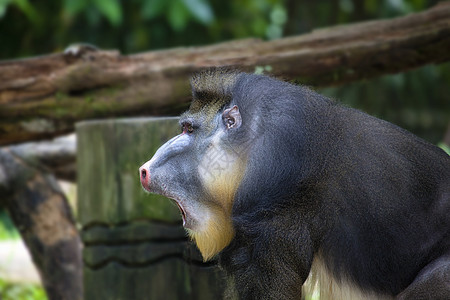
[285, 185]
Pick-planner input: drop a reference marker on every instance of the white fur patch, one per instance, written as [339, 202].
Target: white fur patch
[216, 163]
[321, 284]
[220, 172]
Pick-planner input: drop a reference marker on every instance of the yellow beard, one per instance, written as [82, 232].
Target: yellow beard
[221, 184]
[217, 234]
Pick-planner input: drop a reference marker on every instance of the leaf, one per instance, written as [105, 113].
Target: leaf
[200, 9]
[177, 15]
[278, 15]
[111, 10]
[153, 8]
[3, 6]
[28, 9]
[73, 7]
[444, 147]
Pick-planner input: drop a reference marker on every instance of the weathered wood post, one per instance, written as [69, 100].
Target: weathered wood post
[134, 244]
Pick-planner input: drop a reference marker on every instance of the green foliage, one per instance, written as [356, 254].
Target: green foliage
[16, 290]
[94, 10]
[178, 12]
[139, 25]
[21, 291]
[3, 5]
[201, 10]
[177, 15]
[111, 10]
[278, 18]
[7, 229]
[263, 69]
[28, 10]
[417, 100]
[445, 148]
[133, 26]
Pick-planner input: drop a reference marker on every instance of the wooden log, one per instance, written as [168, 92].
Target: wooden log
[134, 243]
[57, 156]
[43, 217]
[45, 96]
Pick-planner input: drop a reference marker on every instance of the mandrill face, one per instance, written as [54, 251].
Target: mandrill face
[201, 168]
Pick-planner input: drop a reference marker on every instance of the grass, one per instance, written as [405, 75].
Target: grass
[21, 291]
[7, 229]
[14, 290]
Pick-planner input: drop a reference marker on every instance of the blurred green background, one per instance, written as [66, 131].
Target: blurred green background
[417, 100]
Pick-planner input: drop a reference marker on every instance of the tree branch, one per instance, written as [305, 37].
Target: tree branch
[56, 156]
[44, 96]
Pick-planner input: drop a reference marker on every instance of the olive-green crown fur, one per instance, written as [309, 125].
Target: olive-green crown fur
[211, 89]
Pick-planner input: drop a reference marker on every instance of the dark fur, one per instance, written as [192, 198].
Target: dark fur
[369, 197]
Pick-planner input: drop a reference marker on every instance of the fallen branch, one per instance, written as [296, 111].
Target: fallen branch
[56, 156]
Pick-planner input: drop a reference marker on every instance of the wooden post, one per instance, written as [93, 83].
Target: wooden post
[134, 243]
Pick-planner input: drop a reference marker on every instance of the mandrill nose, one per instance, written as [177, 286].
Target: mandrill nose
[145, 178]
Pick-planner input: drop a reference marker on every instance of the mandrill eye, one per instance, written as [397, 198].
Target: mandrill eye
[188, 128]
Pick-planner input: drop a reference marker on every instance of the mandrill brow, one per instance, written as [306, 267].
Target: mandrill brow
[294, 192]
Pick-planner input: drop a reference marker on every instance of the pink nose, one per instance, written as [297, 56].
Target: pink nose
[145, 178]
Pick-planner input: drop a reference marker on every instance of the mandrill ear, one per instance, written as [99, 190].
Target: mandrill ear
[232, 117]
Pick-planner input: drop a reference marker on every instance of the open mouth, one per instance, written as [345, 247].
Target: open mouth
[183, 213]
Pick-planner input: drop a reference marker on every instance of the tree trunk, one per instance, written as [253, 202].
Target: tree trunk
[45, 96]
[40, 211]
